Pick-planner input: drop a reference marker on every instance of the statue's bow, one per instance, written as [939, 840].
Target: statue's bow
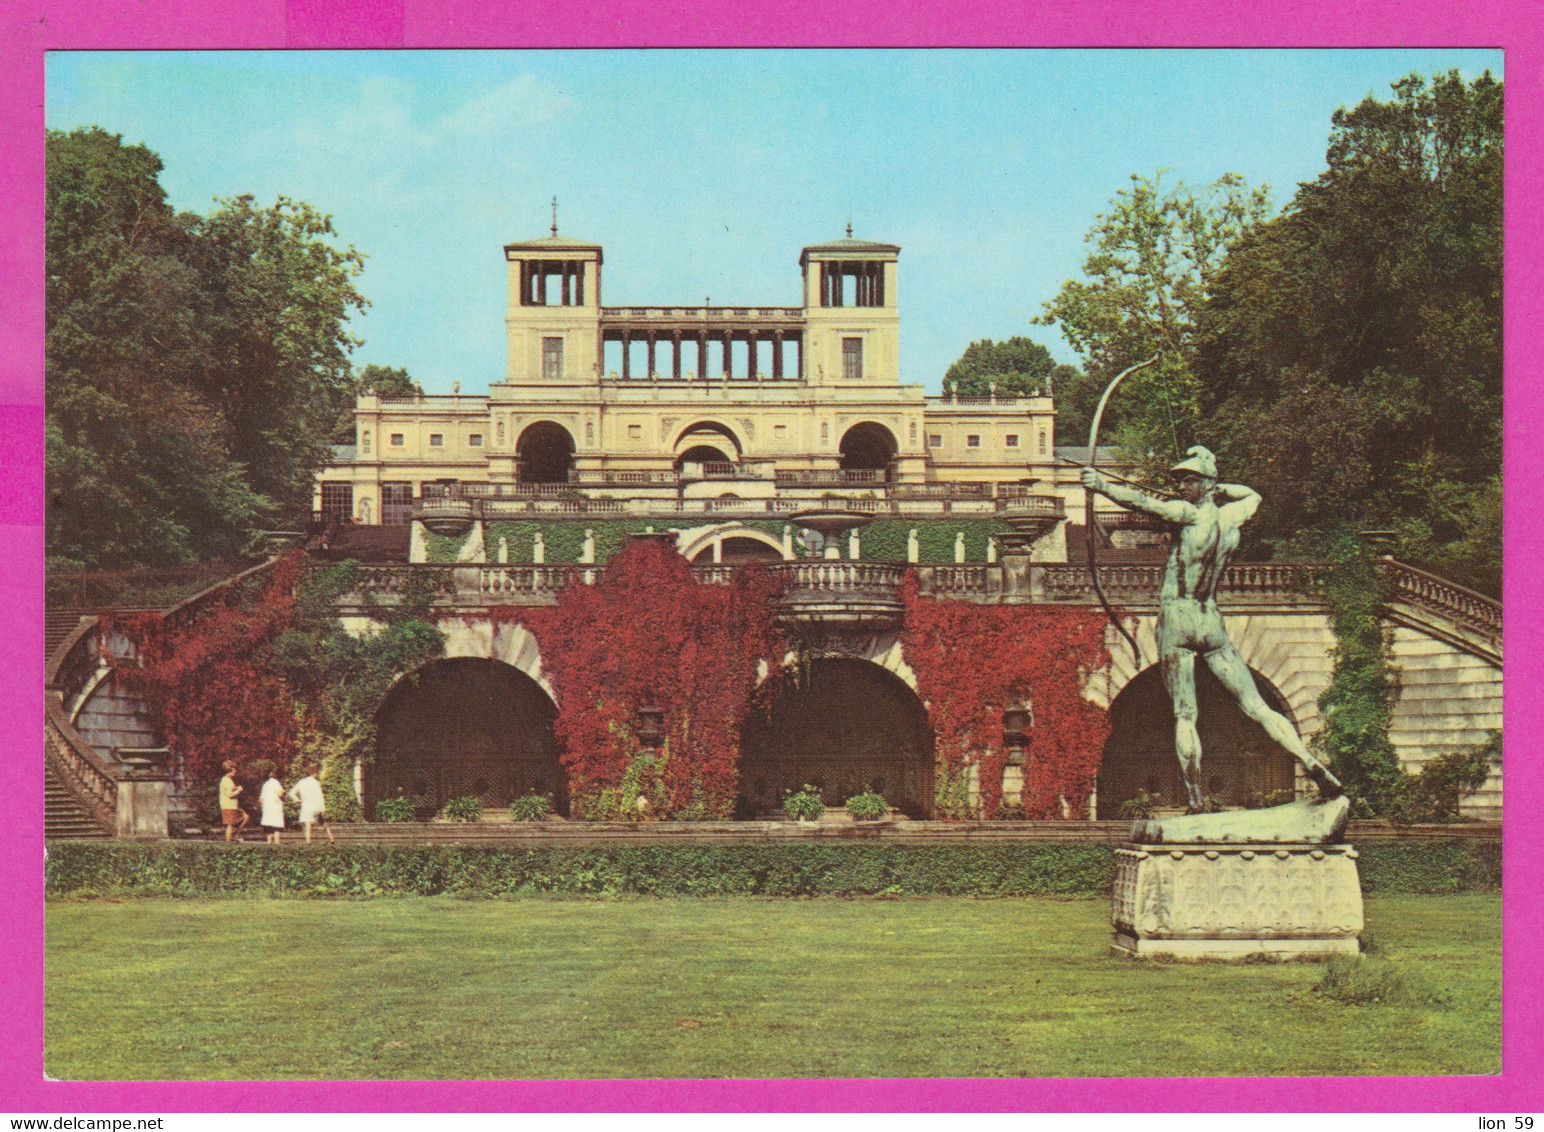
[1089, 521]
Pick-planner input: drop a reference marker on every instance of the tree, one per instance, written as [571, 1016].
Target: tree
[1349, 357]
[138, 462]
[384, 381]
[195, 366]
[1155, 254]
[1015, 367]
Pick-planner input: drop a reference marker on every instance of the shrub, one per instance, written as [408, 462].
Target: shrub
[394, 809]
[867, 806]
[805, 805]
[466, 808]
[531, 807]
[1143, 806]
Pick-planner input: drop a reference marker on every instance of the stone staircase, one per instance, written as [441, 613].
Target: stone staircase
[368, 544]
[57, 625]
[64, 816]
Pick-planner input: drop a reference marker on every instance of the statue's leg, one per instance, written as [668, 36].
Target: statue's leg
[1179, 677]
[1234, 675]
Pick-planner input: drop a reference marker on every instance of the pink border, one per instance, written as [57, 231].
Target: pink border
[32, 27]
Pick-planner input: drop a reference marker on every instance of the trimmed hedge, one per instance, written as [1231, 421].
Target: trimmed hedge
[800, 869]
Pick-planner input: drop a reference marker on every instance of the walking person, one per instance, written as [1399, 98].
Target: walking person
[232, 816]
[313, 804]
[272, 799]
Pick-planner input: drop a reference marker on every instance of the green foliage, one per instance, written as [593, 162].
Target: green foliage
[807, 868]
[530, 807]
[804, 805]
[1141, 807]
[467, 808]
[1356, 705]
[394, 810]
[1364, 325]
[382, 381]
[867, 806]
[1155, 255]
[951, 793]
[1365, 981]
[1016, 367]
[195, 366]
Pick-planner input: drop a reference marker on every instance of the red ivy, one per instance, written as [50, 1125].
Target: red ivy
[649, 630]
[971, 660]
[208, 681]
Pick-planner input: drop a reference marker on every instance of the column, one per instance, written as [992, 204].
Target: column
[777, 355]
[728, 353]
[752, 340]
[627, 341]
[800, 374]
[702, 355]
[564, 285]
[651, 355]
[675, 355]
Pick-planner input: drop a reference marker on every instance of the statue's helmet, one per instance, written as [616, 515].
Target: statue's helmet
[1199, 461]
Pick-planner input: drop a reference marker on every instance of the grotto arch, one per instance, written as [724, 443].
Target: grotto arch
[841, 724]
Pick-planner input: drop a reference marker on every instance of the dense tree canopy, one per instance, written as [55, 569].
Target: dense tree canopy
[1014, 367]
[1349, 358]
[195, 366]
[386, 381]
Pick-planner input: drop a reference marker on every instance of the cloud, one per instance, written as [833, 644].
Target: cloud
[521, 102]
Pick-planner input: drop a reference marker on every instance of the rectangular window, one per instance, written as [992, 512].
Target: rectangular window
[338, 501]
[475, 440]
[852, 359]
[1011, 440]
[635, 432]
[436, 440]
[552, 359]
[780, 433]
[398, 440]
[973, 440]
[934, 440]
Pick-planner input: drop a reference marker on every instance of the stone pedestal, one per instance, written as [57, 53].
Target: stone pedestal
[1209, 900]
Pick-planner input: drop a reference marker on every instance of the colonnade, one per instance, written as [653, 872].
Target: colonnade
[681, 341]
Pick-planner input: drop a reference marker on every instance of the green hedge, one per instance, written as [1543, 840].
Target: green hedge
[800, 869]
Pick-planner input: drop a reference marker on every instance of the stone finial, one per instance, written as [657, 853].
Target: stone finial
[503, 549]
[959, 547]
[538, 549]
[587, 550]
[913, 549]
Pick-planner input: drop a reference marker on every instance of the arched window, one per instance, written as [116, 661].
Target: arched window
[364, 443]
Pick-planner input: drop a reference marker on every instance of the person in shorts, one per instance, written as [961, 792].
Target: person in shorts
[313, 804]
[232, 816]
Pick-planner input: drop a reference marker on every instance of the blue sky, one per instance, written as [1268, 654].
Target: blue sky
[704, 172]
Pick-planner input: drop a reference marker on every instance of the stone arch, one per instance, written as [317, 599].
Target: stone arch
[546, 452]
[1287, 650]
[1240, 764]
[465, 725]
[868, 445]
[842, 724]
[699, 430]
[699, 542]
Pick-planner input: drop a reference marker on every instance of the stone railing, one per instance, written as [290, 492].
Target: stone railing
[959, 581]
[832, 576]
[946, 490]
[84, 772]
[607, 478]
[539, 581]
[1032, 506]
[1436, 595]
[829, 477]
[711, 313]
[1284, 581]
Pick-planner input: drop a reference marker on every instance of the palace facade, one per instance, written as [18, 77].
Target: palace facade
[705, 415]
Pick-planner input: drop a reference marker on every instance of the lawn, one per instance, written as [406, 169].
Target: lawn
[436, 987]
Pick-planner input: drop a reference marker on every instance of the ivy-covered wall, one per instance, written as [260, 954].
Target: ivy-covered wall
[883, 540]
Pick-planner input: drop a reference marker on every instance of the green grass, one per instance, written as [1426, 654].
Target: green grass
[438, 987]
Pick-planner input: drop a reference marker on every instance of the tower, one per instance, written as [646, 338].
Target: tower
[852, 329]
[553, 320]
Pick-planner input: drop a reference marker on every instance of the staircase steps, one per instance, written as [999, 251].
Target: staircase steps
[57, 625]
[368, 544]
[65, 817]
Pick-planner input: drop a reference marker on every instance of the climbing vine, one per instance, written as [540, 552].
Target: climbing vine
[649, 632]
[973, 660]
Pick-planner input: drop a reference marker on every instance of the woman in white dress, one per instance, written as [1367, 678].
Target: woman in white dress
[272, 799]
